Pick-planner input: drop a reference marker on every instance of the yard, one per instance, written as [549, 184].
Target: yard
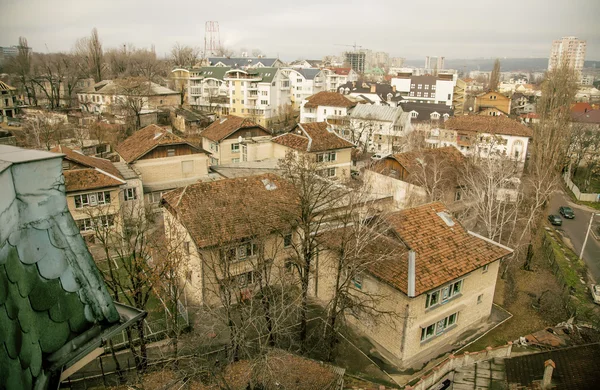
[587, 181]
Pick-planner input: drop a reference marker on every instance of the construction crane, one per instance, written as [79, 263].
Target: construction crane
[354, 46]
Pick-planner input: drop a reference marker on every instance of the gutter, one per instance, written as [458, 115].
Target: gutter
[84, 348]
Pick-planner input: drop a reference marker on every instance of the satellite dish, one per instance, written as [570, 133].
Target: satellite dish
[240, 139]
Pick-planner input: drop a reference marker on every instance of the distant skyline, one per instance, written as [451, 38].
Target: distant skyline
[311, 29]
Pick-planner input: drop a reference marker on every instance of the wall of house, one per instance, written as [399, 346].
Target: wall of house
[342, 163]
[444, 90]
[493, 99]
[161, 151]
[404, 194]
[257, 151]
[164, 100]
[167, 169]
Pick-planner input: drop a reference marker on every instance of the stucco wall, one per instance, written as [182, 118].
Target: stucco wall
[166, 169]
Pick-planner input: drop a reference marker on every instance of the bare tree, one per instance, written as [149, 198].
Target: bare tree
[21, 65]
[306, 213]
[43, 131]
[90, 50]
[494, 76]
[223, 51]
[133, 92]
[256, 52]
[184, 56]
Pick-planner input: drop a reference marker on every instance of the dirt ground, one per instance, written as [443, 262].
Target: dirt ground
[519, 293]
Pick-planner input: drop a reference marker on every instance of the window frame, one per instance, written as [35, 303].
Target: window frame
[443, 294]
[439, 327]
[130, 194]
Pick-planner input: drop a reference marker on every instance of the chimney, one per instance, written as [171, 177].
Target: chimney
[373, 88]
[411, 273]
[549, 367]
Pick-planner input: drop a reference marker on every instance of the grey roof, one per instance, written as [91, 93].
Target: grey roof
[309, 73]
[12, 154]
[126, 171]
[111, 87]
[426, 109]
[239, 62]
[378, 113]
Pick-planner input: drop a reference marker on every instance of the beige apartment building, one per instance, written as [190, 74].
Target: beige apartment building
[163, 160]
[570, 50]
[233, 139]
[318, 139]
[437, 279]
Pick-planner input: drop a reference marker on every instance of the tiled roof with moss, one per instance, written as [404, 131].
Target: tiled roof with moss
[313, 137]
[501, 125]
[328, 99]
[225, 126]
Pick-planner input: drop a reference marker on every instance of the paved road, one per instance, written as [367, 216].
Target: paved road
[576, 228]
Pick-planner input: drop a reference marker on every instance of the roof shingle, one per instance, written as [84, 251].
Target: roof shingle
[225, 126]
[328, 99]
[488, 124]
[146, 139]
[312, 137]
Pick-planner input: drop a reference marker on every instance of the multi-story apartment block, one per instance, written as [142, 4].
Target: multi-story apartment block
[232, 139]
[569, 50]
[305, 82]
[356, 60]
[8, 101]
[207, 89]
[335, 77]
[260, 94]
[332, 152]
[435, 276]
[379, 128]
[163, 160]
[322, 105]
[97, 190]
[426, 89]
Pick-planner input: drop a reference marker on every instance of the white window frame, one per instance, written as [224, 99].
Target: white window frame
[439, 327]
[443, 294]
[130, 194]
[235, 148]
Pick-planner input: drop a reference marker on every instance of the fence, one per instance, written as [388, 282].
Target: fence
[453, 362]
[583, 196]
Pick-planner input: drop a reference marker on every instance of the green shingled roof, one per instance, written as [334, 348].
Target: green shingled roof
[267, 74]
[50, 288]
[214, 72]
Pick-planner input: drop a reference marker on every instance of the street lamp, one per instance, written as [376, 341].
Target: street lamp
[587, 234]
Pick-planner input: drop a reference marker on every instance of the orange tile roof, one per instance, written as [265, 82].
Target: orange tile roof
[100, 173]
[312, 137]
[443, 253]
[328, 99]
[448, 154]
[146, 139]
[581, 107]
[225, 126]
[341, 71]
[488, 124]
[215, 213]
[89, 161]
[88, 179]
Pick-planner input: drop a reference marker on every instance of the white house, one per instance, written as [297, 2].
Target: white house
[380, 127]
[304, 83]
[323, 105]
[427, 88]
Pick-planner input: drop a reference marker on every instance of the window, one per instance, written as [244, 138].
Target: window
[299, 88]
[264, 102]
[88, 224]
[326, 157]
[479, 298]
[92, 199]
[442, 295]
[329, 172]
[130, 193]
[154, 197]
[419, 86]
[438, 327]
[358, 281]
[235, 160]
[449, 96]
[486, 268]
[241, 252]
[412, 85]
[325, 111]
[235, 148]
[418, 94]
[433, 87]
[170, 152]
[425, 94]
[432, 94]
[187, 166]
[264, 93]
[412, 94]
[426, 86]
[186, 247]
[214, 146]
[414, 114]
[287, 240]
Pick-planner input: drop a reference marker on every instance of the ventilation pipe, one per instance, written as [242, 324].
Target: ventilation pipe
[411, 273]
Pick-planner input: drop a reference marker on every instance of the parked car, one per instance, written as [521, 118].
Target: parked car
[566, 212]
[595, 292]
[555, 220]
[378, 156]
[354, 174]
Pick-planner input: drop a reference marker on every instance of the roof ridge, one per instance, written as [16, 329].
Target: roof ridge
[109, 175]
[307, 136]
[181, 196]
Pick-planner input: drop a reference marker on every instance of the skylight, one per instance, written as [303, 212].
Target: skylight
[446, 218]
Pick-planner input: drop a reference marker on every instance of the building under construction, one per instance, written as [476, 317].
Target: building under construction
[356, 60]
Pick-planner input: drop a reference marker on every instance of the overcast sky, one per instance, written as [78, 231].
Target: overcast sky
[311, 28]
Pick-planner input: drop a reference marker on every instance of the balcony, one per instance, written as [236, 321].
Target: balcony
[253, 96]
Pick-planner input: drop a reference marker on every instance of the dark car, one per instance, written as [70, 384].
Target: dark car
[566, 212]
[555, 219]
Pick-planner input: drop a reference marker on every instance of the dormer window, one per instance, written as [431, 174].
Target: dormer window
[435, 115]
[414, 114]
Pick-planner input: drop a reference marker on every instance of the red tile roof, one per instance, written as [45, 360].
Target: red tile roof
[443, 253]
[146, 139]
[581, 107]
[328, 99]
[341, 71]
[215, 213]
[312, 137]
[225, 126]
[488, 124]
[448, 155]
[100, 173]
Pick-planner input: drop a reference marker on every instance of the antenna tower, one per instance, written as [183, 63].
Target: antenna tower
[212, 40]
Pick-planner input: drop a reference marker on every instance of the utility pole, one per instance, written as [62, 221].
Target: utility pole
[587, 234]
